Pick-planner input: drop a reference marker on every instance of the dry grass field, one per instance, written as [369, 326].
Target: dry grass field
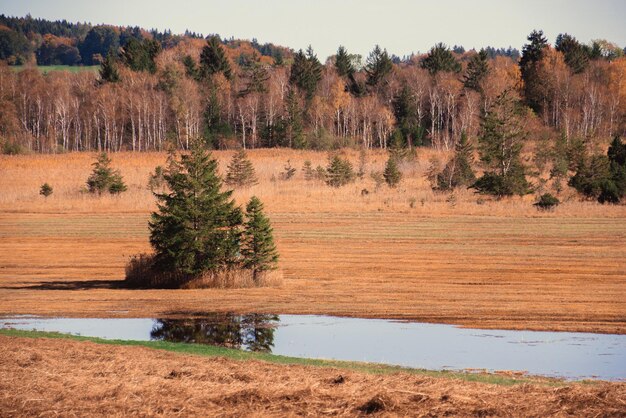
[51, 377]
[395, 253]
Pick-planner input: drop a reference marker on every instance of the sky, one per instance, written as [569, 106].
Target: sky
[400, 26]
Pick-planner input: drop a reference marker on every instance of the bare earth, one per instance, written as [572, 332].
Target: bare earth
[45, 377]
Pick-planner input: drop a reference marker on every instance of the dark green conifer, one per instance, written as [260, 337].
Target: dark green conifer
[45, 190]
[339, 172]
[240, 172]
[343, 64]
[197, 227]
[258, 249]
[213, 59]
[477, 71]
[440, 58]
[458, 172]
[392, 174]
[104, 178]
[377, 66]
[108, 69]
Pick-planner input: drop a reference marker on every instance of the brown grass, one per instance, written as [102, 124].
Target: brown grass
[394, 253]
[44, 377]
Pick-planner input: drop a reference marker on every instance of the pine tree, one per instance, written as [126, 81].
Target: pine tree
[307, 169]
[197, 227]
[392, 174]
[45, 190]
[258, 249]
[440, 58]
[240, 171]
[576, 54]
[377, 66]
[108, 69]
[477, 71]
[213, 59]
[458, 172]
[500, 146]
[104, 178]
[294, 124]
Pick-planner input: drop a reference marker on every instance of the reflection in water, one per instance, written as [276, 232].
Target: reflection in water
[253, 332]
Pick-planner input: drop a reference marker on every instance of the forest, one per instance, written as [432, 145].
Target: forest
[561, 103]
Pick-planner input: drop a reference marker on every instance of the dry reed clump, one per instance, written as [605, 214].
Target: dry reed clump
[142, 273]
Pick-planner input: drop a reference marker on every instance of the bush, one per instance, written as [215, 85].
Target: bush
[156, 179]
[288, 171]
[547, 202]
[104, 178]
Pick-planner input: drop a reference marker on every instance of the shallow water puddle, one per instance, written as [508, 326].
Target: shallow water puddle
[430, 346]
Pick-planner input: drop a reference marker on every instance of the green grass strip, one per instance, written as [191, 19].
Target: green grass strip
[240, 355]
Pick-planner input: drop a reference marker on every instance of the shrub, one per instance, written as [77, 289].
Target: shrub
[156, 179]
[547, 202]
[104, 178]
[307, 169]
[45, 190]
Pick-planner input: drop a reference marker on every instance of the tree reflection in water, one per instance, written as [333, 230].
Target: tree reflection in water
[252, 332]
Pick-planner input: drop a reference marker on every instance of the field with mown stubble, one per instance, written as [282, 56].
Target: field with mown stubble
[392, 253]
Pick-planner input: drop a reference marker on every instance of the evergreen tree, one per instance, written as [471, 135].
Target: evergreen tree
[408, 131]
[532, 53]
[603, 177]
[240, 171]
[306, 72]
[500, 145]
[392, 174]
[191, 68]
[108, 69]
[339, 172]
[258, 249]
[197, 227]
[477, 71]
[343, 64]
[458, 172]
[576, 55]
[307, 169]
[377, 66]
[213, 59]
[440, 58]
[45, 190]
[104, 178]
[294, 124]
[140, 55]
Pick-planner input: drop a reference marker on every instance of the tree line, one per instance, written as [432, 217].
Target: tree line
[227, 94]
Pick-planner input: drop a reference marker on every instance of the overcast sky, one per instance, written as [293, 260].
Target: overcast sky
[401, 26]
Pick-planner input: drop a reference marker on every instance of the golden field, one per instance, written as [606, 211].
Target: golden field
[50, 377]
[392, 253]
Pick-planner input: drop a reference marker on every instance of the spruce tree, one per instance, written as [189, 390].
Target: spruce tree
[213, 59]
[104, 178]
[258, 249]
[440, 58]
[343, 64]
[500, 145]
[240, 171]
[108, 69]
[458, 172]
[377, 66]
[532, 53]
[197, 227]
[339, 172]
[392, 174]
[477, 71]
[306, 72]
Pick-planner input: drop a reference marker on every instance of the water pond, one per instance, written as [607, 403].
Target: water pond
[567, 355]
